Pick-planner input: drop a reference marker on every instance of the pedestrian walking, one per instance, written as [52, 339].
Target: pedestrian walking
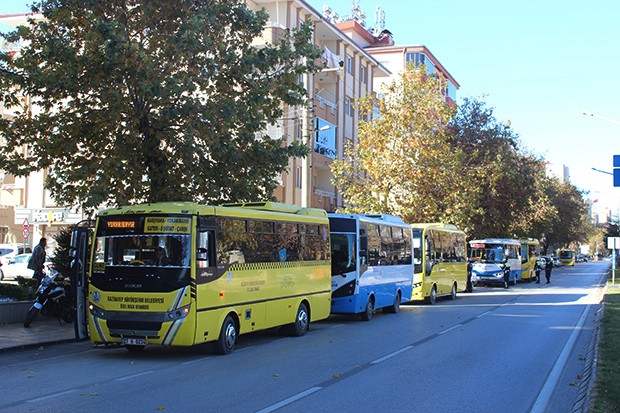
[37, 259]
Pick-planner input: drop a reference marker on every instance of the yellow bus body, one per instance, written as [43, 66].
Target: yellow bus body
[530, 252]
[567, 256]
[442, 270]
[257, 295]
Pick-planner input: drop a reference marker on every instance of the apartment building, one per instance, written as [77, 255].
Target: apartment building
[329, 122]
[379, 43]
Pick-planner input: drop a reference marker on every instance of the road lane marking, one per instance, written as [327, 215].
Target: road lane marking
[51, 396]
[388, 356]
[290, 400]
[545, 394]
[454, 327]
[134, 375]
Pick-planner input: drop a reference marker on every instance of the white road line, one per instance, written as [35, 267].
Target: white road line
[51, 396]
[483, 314]
[134, 375]
[397, 352]
[450, 329]
[290, 400]
[545, 394]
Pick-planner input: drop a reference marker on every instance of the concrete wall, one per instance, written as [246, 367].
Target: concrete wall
[14, 312]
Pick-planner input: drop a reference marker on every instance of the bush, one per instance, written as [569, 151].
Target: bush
[17, 292]
[27, 282]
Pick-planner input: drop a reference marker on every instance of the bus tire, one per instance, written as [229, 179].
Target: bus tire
[453, 292]
[227, 340]
[370, 308]
[302, 322]
[394, 308]
[432, 298]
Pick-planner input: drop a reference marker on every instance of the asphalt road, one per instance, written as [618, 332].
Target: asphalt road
[516, 350]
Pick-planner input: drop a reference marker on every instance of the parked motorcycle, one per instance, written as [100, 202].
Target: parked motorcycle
[53, 299]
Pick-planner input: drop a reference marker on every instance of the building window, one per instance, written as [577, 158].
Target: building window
[325, 138]
[298, 177]
[299, 130]
[418, 58]
[349, 64]
[347, 106]
[363, 74]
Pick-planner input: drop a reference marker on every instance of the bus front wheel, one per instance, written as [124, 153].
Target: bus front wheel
[302, 322]
[227, 340]
[432, 298]
[370, 308]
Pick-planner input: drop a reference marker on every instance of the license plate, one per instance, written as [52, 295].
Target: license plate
[133, 341]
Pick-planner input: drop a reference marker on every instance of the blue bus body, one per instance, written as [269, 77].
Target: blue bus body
[371, 263]
[490, 256]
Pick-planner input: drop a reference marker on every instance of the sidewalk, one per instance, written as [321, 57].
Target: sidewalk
[42, 331]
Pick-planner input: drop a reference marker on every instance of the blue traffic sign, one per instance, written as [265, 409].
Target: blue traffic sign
[616, 170]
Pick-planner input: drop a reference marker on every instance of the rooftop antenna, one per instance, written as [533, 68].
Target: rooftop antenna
[379, 22]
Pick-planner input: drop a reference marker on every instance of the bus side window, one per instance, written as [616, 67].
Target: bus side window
[363, 250]
[430, 258]
[204, 253]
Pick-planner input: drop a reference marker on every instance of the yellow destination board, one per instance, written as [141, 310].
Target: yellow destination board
[167, 225]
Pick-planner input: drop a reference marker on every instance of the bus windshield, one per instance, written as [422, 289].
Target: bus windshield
[491, 254]
[131, 254]
[343, 253]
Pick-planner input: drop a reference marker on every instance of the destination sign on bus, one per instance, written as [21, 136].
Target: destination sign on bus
[478, 245]
[121, 224]
[167, 225]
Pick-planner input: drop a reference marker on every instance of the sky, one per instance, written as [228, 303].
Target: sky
[538, 63]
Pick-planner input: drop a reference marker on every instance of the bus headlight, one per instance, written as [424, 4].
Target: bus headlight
[96, 311]
[177, 313]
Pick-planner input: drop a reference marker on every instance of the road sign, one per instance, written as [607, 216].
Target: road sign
[26, 224]
[25, 233]
[616, 163]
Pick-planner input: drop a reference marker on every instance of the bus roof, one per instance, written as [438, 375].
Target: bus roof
[275, 210]
[392, 219]
[509, 241]
[436, 225]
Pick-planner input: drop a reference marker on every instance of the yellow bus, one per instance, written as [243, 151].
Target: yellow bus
[182, 274]
[439, 261]
[567, 256]
[530, 252]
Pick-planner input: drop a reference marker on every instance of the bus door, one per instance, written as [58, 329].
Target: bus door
[81, 241]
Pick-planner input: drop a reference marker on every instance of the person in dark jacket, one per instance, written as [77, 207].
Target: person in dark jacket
[548, 268]
[37, 260]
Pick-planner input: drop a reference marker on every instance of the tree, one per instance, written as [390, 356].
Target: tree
[151, 101]
[402, 164]
[572, 223]
[505, 191]
[62, 258]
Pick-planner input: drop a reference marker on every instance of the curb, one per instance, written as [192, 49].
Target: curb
[22, 347]
[589, 369]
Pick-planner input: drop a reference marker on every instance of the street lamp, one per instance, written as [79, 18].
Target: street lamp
[603, 172]
[586, 113]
